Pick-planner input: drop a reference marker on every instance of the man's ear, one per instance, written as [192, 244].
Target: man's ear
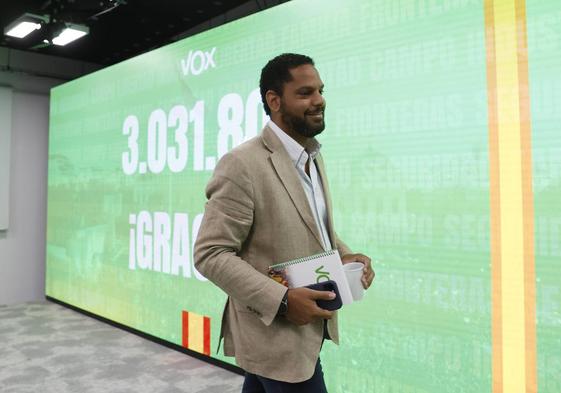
[273, 100]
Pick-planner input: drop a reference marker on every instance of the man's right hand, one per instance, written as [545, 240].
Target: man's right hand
[302, 306]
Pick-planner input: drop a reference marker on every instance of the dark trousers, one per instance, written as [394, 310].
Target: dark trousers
[257, 384]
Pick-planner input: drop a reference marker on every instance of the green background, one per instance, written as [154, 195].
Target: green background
[406, 150]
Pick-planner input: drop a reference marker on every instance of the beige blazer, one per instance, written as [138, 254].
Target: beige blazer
[257, 215]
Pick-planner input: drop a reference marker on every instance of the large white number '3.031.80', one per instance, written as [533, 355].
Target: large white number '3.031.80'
[174, 154]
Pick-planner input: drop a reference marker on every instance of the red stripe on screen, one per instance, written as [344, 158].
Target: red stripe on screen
[185, 330]
[206, 336]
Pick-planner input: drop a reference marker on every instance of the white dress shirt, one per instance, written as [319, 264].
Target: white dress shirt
[312, 184]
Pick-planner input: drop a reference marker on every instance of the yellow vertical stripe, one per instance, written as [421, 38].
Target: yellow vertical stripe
[510, 156]
[196, 332]
[510, 183]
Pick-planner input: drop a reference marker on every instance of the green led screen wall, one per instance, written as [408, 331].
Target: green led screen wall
[544, 44]
[420, 131]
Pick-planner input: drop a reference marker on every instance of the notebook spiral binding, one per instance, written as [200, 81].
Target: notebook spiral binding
[283, 265]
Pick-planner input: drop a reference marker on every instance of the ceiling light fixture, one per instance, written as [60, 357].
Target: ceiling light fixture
[71, 32]
[24, 25]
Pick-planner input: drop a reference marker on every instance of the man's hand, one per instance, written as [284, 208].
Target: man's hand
[302, 306]
[368, 272]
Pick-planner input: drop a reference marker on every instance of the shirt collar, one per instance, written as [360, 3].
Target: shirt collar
[296, 152]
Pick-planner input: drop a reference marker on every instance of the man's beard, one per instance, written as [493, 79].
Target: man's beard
[302, 125]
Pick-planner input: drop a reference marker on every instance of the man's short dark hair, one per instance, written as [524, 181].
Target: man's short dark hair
[277, 72]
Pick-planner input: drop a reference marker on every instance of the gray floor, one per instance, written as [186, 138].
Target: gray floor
[45, 347]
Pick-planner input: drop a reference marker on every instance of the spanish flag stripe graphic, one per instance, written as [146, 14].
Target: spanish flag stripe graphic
[206, 340]
[196, 332]
[185, 332]
[527, 198]
[495, 198]
[512, 244]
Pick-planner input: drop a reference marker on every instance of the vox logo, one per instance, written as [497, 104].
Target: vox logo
[198, 62]
[321, 275]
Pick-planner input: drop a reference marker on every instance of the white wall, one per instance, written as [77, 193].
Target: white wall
[22, 246]
[5, 137]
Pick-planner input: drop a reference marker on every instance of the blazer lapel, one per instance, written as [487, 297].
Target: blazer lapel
[289, 177]
[327, 194]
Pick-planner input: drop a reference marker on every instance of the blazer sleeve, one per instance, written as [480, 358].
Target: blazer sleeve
[341, 246]
[227, 220]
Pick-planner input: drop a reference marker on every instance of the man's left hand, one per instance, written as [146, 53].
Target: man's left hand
[367, 273]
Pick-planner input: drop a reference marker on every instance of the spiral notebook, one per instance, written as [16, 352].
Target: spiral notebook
[310, 270]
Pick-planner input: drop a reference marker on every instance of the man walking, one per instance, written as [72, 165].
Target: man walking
[268, 202]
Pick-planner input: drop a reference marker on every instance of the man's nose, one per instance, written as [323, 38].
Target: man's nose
[317, 99]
